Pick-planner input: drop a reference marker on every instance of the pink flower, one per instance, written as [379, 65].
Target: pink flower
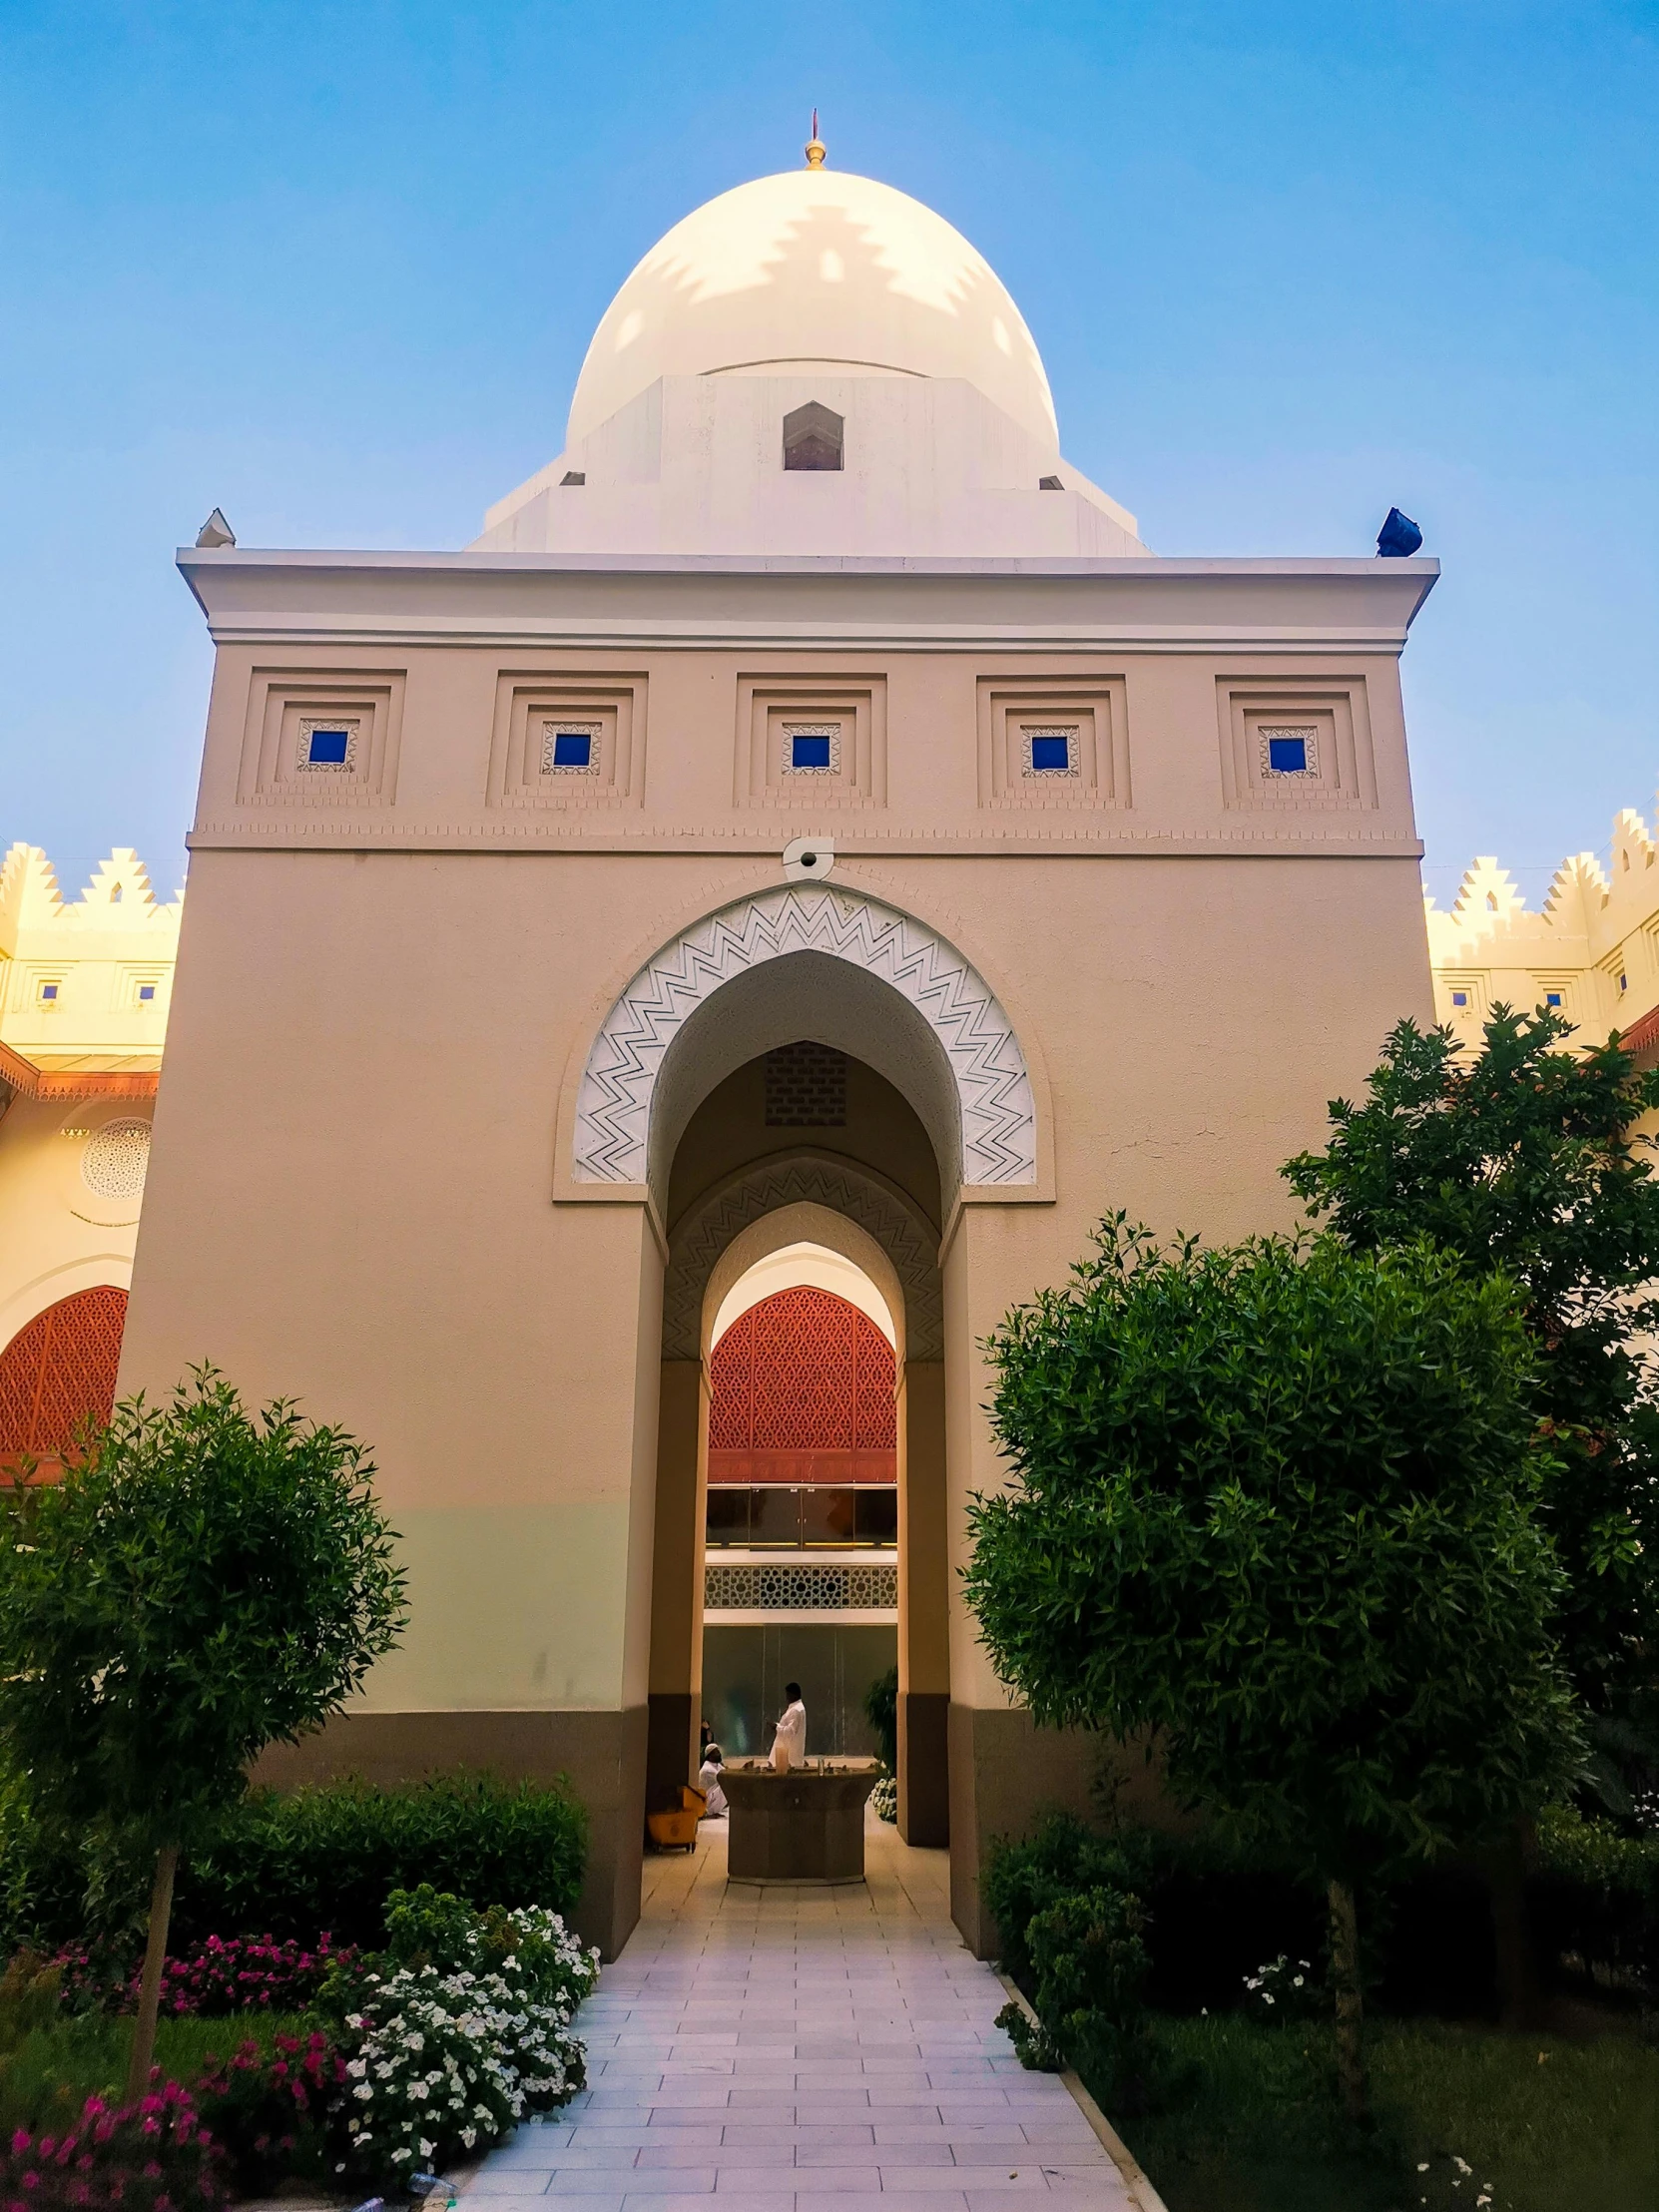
[21, 2141]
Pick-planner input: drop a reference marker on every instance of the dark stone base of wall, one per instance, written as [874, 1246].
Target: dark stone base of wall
[1007, 1774]
[601, 1754]
[924, 1767]
[668, 1751]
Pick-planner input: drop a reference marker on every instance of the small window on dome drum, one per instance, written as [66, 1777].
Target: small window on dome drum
[812, 437]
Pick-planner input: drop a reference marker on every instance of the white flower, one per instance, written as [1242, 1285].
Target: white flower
[363, 2091]
[1267, 1997]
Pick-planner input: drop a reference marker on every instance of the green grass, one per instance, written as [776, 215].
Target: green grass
[1257, 2128]
[48, 2072]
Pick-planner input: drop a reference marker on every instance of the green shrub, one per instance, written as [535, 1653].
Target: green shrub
[1089, 1965]
[881, 1712]
[1597, 1855]
[1595, 1906]
[1061, 1858]
[326, 1858]
[322, 1858]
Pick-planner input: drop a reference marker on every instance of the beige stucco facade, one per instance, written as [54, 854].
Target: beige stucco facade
[511, 866]
[379, 1183]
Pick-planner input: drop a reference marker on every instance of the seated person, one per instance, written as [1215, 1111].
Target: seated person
[708, 1780]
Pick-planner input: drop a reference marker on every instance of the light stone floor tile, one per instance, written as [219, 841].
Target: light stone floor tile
[792, 2050]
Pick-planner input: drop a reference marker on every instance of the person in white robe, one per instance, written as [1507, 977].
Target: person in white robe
[788, 1744]
[708, 1780]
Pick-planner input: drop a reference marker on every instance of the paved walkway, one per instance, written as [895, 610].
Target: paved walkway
[798, 2047]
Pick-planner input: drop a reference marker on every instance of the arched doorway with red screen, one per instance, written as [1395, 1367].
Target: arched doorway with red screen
[59, 1371]
[803, 1461]
[802, 1390]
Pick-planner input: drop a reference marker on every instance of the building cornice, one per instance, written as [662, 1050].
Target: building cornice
[791, 602]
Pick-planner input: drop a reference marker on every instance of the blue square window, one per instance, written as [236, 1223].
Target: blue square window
[147, 992]
[49, 992]
[1051, 755]
[1552, 998]
[328, 748]
[572, 748]
[1288, 755]
[810, 748]
[1460, 998]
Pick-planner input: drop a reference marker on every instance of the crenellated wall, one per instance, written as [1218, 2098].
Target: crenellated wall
[84, 986]
[91, 975]
[1592, 948]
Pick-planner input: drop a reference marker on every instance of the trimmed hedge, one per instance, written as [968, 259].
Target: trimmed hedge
[1595, 1906]
[322, 1858]
[1215, 1916]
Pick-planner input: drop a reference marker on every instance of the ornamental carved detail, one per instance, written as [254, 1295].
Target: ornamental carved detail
[993, 1089]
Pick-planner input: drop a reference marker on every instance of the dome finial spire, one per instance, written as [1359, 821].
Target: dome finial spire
[815, 146]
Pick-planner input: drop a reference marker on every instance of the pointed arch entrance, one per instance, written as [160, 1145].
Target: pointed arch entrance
[956, 1056]
[866, 1189]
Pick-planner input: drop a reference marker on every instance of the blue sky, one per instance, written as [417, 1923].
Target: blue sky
[333, 268]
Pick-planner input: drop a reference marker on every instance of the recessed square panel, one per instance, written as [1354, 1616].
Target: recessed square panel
[800, 739]
[1297, 748]
[322, 739]
[1049, 742]
[567, 741]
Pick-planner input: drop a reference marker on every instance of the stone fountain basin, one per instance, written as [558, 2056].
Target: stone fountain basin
[806, 1825]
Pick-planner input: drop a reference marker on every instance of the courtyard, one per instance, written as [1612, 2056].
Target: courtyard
[798, 2045]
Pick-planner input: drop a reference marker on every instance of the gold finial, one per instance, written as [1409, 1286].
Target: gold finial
[815, 146]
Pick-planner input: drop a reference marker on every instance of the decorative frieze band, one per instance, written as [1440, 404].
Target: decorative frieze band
[799, 1589]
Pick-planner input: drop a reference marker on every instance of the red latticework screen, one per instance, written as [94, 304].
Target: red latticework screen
[58, 1369]
[802, 1392]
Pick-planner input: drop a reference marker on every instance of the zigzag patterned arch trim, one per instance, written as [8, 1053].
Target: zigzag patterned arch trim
[993, 1090]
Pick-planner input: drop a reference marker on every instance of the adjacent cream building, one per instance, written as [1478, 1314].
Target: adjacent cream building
[807, 841]
[1591, 950]
[84, 992]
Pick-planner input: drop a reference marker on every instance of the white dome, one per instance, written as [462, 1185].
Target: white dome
[813, 269]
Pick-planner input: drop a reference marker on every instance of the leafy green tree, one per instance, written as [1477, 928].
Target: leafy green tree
[881, 1712]
[1526, 1158]
[202, 1583]
[1275, 1508]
